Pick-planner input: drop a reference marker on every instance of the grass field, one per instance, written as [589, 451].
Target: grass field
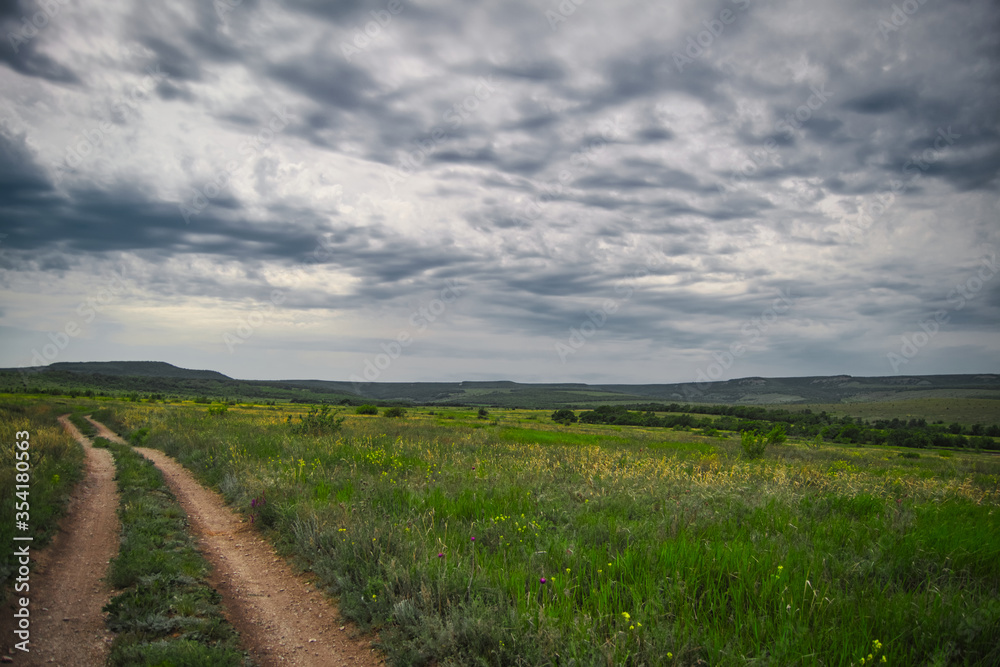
[529, 543]
[948, 410]
[51, 463]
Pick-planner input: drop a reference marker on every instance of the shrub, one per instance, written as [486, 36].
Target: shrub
[483, 413]
[564, 416]
[367, 409]
[394, 412]
[755, 442]
[316, 422]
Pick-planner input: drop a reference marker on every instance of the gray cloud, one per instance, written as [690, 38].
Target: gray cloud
[550, 171]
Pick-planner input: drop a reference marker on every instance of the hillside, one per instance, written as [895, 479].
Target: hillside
[159, 369]
[152, 377]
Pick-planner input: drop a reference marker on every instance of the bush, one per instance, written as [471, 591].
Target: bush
[367, 409]
[316, 422]
[483, 413]
[394, 412]
[755, 442]
[564, 416]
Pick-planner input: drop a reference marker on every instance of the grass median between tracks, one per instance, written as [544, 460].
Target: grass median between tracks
[165, 612]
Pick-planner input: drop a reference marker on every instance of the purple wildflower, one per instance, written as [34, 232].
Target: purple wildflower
[542, 581]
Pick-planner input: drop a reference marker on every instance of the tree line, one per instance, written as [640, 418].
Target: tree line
[805, 424]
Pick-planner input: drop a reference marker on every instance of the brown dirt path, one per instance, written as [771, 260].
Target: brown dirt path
[281, 618]
[68, 590]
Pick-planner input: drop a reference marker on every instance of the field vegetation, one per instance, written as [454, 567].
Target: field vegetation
[165, 613]
[55, 464]
[522, 541]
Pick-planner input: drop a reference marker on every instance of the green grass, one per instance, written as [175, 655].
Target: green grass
[56, 465]
[165, 614]
[79, 420]
[647, 546]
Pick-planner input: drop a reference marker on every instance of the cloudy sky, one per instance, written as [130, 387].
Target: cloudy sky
[589, 191]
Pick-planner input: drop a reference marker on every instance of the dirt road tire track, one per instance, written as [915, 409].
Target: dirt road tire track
[68, 590]
[281, 618]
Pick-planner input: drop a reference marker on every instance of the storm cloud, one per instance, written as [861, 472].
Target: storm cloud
[648, 185]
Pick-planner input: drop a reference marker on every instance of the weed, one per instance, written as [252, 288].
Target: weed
[685, 536]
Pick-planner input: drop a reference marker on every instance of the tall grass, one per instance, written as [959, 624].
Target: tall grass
[56, 465]
[620, 548]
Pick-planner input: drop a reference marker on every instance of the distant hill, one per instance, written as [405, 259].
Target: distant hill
[154, 377]
[742, 391]
[153, 369]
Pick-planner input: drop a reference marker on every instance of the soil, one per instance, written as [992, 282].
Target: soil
[68, 590]
[281, 617]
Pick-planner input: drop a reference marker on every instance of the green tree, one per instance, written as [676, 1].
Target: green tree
[564, 416]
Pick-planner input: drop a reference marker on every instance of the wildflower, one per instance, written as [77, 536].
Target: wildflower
[625, 615]
[440, 554]
[473, 539]
[542, 581]
[567, 570]
[670, 656]
[883, 659]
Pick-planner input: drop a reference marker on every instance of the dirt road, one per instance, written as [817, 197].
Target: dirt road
[67, 587]
[281, 618]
